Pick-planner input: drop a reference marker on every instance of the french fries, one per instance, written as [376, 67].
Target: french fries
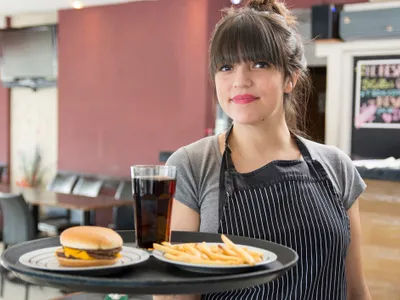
[228, 254]
[243, 253]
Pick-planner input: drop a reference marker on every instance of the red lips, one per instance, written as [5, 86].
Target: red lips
[244, 99]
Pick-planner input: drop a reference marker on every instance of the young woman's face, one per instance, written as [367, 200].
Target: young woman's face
[251, 92]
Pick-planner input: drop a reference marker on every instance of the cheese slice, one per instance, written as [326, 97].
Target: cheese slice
[80, 254]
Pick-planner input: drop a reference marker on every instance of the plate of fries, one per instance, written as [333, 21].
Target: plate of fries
[225, 257]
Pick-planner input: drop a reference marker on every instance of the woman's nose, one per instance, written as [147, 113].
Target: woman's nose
[242, 77]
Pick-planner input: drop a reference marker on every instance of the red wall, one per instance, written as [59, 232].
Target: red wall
[4, 125]
[132, 82]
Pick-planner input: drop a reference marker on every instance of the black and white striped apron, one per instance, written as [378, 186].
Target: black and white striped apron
[293, 203]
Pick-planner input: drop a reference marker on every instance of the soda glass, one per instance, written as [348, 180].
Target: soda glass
[153, 189]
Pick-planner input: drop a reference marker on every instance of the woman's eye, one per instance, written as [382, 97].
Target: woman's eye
[261, 64]
[225, 68]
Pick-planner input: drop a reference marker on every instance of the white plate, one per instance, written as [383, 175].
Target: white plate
[268, 256]
[45, 259]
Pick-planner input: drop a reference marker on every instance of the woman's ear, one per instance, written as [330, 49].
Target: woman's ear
[291, 83]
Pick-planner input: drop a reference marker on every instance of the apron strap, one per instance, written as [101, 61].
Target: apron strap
[226, 166]
[227, 134]
[222, 187]
[303, 149]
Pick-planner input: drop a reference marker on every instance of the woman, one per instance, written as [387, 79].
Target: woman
[260, 179]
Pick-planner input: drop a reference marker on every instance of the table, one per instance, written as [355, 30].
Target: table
[153, 276]
[41, 197]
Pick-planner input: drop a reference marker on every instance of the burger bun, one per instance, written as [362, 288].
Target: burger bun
[90, 238]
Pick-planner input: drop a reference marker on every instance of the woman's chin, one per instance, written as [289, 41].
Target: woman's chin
[247, 120]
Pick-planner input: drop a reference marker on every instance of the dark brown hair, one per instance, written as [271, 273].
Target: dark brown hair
[264, 30]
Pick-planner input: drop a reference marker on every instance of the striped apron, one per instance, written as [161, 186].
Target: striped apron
[292, 203]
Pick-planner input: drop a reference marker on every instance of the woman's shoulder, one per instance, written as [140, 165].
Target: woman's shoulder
[205, 149]
[325, 152]
[336, 162]
[201, 159]
[340, 169]
[198, 167]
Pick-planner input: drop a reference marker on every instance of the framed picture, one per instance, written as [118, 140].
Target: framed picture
[377, 93]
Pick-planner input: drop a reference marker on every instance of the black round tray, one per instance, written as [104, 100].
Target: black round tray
[153, 276]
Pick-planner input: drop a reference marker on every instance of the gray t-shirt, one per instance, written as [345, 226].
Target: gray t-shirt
[198, 166]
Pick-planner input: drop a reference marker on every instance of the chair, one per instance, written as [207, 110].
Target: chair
[88, 187]
[109, 187]
[104, 216]
[123, 216]
[61, 183]
[54, 226]
[124, 191]
[3, 171]
[19, 226]
[57, 220]
[164, 155]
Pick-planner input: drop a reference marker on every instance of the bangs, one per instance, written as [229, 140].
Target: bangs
[245, 38]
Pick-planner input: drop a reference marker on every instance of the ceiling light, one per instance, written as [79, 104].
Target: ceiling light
[77, 4]
[235, 1]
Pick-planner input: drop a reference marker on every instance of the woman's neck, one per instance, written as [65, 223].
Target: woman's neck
[260, 139]
[253, 146]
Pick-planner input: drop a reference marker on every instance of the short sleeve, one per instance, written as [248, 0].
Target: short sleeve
[186, 187]
[352, 183]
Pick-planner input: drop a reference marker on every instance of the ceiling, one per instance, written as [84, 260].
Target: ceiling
[13, 7]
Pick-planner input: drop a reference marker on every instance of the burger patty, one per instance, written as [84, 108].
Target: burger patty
[97, 254]
[61, 254]
[110, 252]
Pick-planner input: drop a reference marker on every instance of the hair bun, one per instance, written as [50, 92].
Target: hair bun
[259, 5]
[273, 6]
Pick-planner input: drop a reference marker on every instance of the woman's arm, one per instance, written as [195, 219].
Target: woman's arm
[183, 219]
[357, 288]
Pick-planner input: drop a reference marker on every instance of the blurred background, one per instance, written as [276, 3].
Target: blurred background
[89, 88]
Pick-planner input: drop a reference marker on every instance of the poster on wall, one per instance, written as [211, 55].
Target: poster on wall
[377, 97]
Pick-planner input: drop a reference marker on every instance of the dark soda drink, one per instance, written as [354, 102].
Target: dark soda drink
[153, 197]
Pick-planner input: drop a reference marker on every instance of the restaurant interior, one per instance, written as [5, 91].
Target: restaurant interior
[89, 88]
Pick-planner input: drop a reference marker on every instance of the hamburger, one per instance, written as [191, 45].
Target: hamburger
[88, 246]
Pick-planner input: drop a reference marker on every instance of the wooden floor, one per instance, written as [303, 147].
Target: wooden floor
[380, 220]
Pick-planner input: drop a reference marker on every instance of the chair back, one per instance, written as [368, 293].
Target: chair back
[124, 191]
[123, 216]
[63, 183]
[3, 169]
[88, 187]
[18, 223]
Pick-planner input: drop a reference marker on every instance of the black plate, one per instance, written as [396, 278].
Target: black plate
[153, 276]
